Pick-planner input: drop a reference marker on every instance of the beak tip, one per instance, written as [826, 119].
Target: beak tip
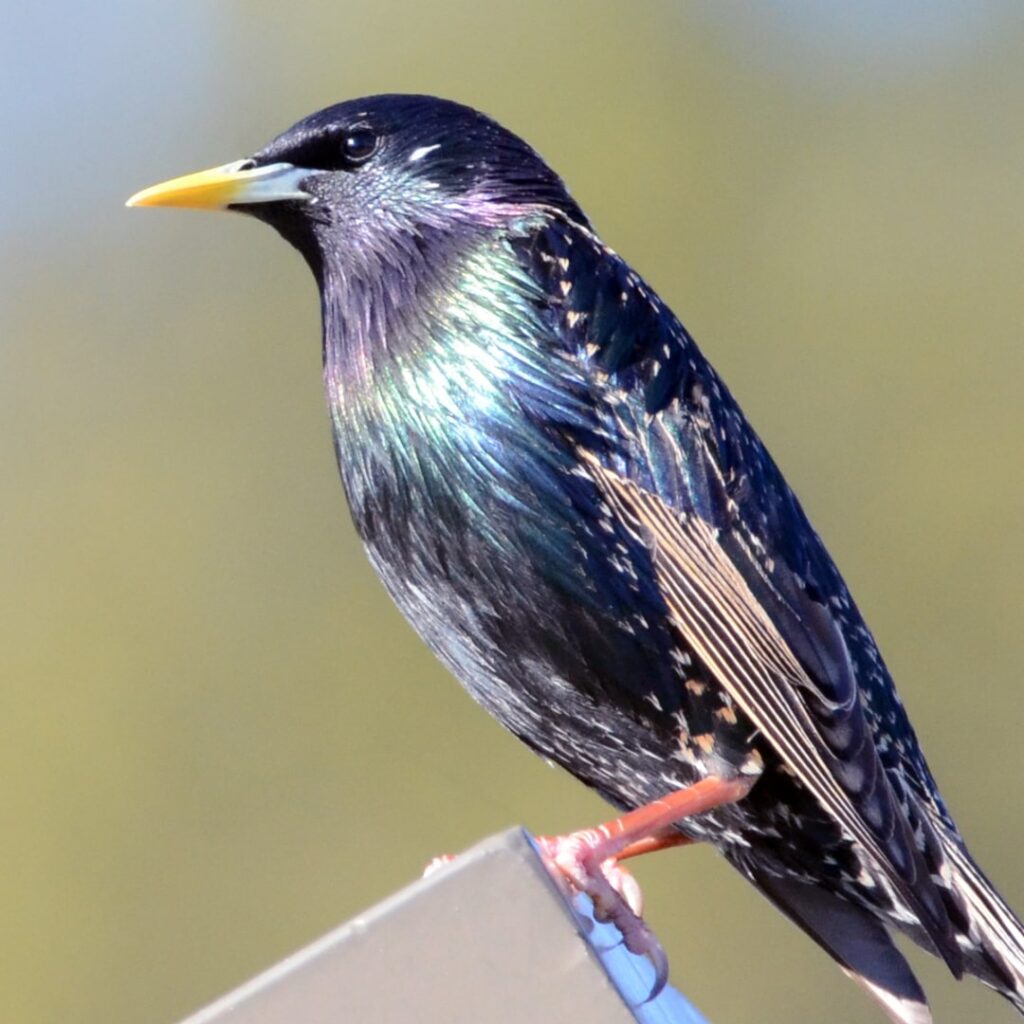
[223, 187]
[144, 197]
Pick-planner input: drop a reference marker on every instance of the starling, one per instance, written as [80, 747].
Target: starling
[568, 505]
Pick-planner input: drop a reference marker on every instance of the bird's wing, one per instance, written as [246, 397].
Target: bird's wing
[749, 585]
[715, 609]
[752, 652]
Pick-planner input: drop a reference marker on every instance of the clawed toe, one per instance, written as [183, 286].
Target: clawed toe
[437, 863]
[625, 884]
[641, 941]
[613, 891]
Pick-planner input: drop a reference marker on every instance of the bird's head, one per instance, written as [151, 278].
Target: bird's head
[344, 181]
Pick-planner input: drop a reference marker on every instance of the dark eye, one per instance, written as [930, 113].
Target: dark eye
[360, 144]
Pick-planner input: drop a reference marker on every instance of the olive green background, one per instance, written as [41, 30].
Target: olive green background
[217, 737]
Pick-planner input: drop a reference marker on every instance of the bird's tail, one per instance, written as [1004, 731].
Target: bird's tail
[993, 939]
[855, 939]
[989, 934]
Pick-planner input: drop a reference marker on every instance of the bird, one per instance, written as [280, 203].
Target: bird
[569, 506]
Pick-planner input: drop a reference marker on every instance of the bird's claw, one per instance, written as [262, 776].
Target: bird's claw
[613, 891]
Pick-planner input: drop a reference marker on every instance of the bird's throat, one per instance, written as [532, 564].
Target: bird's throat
[424, 360]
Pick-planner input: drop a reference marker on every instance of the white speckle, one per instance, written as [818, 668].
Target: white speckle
[421, 151]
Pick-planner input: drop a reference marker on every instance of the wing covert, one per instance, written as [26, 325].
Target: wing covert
[749, 585]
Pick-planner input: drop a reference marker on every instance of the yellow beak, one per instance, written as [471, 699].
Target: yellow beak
[236, 184]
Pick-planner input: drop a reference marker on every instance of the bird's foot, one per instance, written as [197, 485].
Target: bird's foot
[580, 860]
[437, 863]
[589, 860]
[606, 882]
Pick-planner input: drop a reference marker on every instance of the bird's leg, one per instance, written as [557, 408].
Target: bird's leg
[663, 840]
[622, 880]
[589, 859]
[650, 844]
[648, 828]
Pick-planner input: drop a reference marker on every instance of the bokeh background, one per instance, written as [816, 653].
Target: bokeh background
[217, 737]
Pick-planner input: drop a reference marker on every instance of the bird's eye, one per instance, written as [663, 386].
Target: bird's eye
[360, 144]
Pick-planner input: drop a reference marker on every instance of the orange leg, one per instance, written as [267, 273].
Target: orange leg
[656, 817]
[651, 844]
[589, 859]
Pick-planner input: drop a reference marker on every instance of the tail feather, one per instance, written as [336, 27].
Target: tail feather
[856, 940]
[993, 945]
[989, 933]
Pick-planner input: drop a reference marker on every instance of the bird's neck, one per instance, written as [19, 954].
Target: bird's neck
[381, 303]
[427, 345]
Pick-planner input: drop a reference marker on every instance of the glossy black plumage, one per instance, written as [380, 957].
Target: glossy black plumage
[571, 509]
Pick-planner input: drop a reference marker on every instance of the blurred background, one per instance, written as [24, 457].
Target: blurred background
[218, 739]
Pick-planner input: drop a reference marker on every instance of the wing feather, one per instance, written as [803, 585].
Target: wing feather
[746, 581]
[714, 608]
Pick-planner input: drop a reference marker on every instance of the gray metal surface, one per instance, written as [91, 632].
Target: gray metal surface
[487, 939]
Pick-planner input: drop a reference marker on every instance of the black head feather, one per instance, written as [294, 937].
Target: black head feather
[417, 157]
[454, 146]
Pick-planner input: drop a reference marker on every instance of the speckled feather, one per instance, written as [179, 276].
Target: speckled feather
[568, 505]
